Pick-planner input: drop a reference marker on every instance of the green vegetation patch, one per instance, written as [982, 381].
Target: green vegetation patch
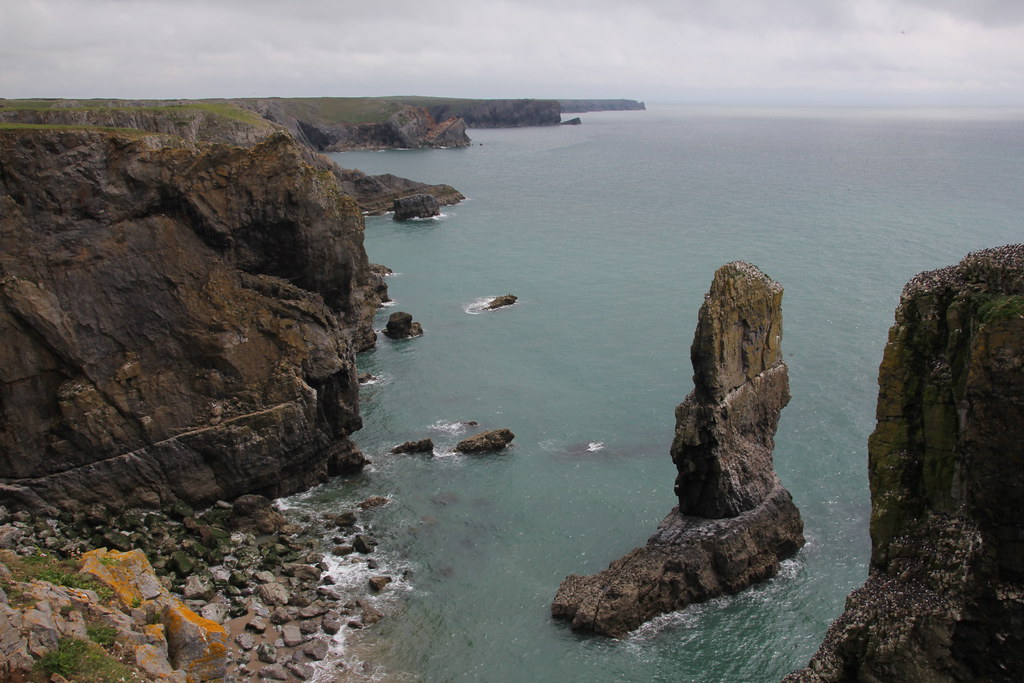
[1001, 308]
[53, 570]
[83, 662]
[50, 126]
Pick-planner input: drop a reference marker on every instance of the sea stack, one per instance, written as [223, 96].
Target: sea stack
[944, 599]
[735, 522]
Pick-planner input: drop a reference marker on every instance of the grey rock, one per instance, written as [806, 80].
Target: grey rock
[416, 206]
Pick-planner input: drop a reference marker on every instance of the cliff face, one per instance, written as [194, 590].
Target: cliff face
[407, 127]
[735, 522]
[500, 113]
[193, 121]
[178, 321]
[579, 106]
[945, 595]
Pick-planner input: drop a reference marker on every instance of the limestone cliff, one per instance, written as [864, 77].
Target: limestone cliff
[179, 321]
[944, 599]
[735, 522]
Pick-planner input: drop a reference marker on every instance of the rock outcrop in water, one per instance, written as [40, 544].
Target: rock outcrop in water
[416, 206]
[735, 522]
[944, 599]
[178, 321]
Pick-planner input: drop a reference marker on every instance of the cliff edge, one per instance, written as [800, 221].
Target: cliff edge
[944, 599]
[179, 321]
[735, 522]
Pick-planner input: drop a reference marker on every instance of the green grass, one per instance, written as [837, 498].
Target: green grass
[54, 126]
[1001, 308]
[53, 570]
[83, 662]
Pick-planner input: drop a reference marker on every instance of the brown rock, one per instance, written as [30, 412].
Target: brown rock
[944, 598]
[401, 326]
[502, 301]
[180, 317]
[421, 446]
[486, 442]
[735, 522]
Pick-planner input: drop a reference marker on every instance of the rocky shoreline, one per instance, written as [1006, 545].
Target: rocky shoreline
[264, 576]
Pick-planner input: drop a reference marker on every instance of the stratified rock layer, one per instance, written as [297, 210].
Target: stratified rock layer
[944, 600]
[179, 322]
[735, 521]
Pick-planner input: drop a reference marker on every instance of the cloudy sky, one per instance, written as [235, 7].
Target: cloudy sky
[946, 52]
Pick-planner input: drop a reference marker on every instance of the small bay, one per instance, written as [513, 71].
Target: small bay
[609, 234]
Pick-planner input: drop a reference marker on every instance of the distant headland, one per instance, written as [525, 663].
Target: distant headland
[325, 124]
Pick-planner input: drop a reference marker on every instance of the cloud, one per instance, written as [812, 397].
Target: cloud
[957, 50]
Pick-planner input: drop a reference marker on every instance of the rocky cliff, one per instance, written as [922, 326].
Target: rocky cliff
[497, 113]
[192, 120]
[179, 321]
[579, 106]
[332, 124]
[944, 599]
[735, 522]
[231, 123]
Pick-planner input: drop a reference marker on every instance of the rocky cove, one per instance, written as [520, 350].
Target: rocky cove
[283, 558]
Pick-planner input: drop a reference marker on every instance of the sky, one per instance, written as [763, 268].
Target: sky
[859, 52]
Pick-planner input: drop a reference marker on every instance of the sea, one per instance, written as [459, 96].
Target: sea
[609, 234]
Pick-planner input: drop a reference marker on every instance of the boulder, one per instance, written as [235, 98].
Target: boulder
[416, 206]
[944, 598]
[255, 514]
[421, 446]
[486, 442]
[501, 301]
[735, 522]
[401, 326]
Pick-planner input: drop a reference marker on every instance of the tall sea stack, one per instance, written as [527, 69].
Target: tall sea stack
[735, 522]
[944, 599]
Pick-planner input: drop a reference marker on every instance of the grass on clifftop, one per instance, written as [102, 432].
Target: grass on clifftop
[222, 108]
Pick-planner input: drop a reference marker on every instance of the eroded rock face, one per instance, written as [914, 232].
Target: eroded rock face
[735, 522]
[486, 442]
[725, 429]
[944, 599]
[179, 322]
[400, 325]
[416, 206]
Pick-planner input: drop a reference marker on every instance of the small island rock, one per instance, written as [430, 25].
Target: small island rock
[486, 442]
[502, 301]
[401, 326]
[416, 206]
[421, 446]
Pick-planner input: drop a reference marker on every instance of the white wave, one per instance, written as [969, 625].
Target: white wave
[478, 306]
[595, 446]
[451, 426]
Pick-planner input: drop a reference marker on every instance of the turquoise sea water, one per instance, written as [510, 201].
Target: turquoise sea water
[609, 233]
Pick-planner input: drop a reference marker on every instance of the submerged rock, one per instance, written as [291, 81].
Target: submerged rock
[735, 522]
[401, 326]
[944, 599]
[416, 206]
[486, 442]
